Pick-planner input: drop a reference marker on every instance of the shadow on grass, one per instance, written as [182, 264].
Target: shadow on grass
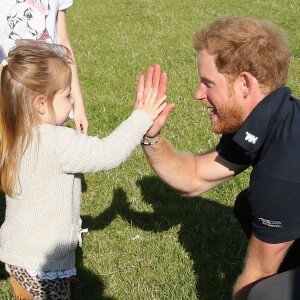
[92, 287]
[208, 232]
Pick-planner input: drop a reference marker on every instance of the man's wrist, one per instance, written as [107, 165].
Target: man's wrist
[148, 141]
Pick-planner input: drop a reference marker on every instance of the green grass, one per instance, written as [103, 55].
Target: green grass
[145, 241]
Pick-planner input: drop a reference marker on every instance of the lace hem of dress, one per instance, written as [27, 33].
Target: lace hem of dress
[51, 275]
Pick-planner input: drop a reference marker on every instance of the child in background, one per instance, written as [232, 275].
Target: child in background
[41, 161]
[41, 20]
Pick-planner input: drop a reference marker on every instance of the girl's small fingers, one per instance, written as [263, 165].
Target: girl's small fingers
[160, 101]
[161, 108]
[153, 96]
[148, 95]
[140, 102]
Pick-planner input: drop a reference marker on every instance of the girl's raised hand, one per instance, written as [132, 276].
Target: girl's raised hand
[150, 105]
[157, 81]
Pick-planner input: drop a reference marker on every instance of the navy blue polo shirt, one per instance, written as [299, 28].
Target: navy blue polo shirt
[269, 141]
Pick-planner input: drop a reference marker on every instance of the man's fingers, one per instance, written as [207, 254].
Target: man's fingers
[162, 88]
[166, 112]
[156, 77]
[160, 121]
[160, 101]
[140, 88]
[149, 77]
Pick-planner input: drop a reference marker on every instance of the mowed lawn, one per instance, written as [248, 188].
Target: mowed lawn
[145, 241]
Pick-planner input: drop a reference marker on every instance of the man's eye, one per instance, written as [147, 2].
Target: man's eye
[206, 83]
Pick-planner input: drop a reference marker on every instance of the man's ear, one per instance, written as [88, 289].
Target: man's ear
[246, 83]
[39, 103]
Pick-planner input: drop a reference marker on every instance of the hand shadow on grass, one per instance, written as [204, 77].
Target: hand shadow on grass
[208, 233]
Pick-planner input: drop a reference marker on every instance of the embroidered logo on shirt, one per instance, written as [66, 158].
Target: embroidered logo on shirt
[251, 138]
[270, 223]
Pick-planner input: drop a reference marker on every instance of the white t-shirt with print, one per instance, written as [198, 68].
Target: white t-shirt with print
[28, 19]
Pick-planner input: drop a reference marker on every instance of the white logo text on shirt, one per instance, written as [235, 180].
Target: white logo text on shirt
[251, 138]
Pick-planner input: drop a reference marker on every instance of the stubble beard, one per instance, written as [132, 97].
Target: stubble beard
[231, 116]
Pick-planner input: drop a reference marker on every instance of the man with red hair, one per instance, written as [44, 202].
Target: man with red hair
[243, 67]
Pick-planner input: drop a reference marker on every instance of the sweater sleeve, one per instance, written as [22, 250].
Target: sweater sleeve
[79, 153]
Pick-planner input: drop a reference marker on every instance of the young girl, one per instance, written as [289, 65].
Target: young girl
[41, 161]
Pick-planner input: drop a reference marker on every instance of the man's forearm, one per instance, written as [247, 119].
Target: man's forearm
[170, 165]
[263, 260]
[242, 287]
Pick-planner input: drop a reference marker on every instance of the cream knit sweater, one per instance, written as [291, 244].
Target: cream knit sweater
[42, 224]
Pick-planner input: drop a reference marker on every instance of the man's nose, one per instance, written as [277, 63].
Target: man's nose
[201, 92]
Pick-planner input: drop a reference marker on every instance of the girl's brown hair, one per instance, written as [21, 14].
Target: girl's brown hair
[32, 69]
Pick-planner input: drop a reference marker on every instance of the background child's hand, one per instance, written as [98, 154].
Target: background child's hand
[81, 121]
[151, 106]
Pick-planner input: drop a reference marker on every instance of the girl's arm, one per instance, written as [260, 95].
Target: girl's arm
[79, 153]
[80, 118]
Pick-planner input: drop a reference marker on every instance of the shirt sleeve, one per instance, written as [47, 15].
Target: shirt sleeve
[275, 208]
[231, 151]
[80, 153]
[64, 4]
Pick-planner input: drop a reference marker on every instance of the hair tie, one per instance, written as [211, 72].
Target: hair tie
[4, 63]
